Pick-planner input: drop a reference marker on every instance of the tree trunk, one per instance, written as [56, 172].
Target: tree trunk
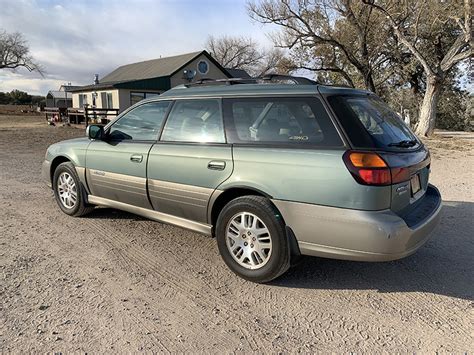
[427, 119]
[369, 82]
[366, 73]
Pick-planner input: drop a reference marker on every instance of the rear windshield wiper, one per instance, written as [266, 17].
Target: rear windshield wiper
[404, 144]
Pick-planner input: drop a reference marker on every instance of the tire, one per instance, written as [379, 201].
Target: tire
[266, 256]
[65, 174]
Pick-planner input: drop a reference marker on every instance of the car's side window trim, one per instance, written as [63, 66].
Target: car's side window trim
[165, 119]
[228, 122]
[340, 130]
[215, 144]
[130, 109]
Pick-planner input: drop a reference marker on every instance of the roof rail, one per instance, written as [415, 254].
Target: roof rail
[298, 80]
[280, 77]
[231, 81]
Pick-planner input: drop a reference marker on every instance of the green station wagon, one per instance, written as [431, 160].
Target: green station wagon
[272, 170]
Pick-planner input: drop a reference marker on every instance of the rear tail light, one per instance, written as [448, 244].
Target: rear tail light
[368, 168]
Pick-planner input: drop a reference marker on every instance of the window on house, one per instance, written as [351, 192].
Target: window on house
[103, 100]
[82, 100]
[110, 101]
[106, 100]
[139, 96]
[136, 97]
[203, 67]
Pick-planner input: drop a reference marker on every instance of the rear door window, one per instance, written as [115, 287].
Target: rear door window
[370, 123]
[284, 121]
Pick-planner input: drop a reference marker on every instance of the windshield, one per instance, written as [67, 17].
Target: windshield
[370, 123]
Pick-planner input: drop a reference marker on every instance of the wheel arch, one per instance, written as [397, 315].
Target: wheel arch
[217, 204]
[55, 163]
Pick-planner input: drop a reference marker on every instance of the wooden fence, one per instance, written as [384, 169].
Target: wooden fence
[55, 114]
[80, 115]
[100, 115]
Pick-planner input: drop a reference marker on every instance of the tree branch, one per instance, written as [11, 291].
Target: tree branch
[402, 38]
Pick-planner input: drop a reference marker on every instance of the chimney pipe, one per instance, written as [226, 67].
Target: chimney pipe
[96, 79]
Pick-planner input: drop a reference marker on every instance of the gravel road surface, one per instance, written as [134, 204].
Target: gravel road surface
[112, 281]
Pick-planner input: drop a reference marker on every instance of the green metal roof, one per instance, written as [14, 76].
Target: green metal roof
[148, 75]
[150, 68]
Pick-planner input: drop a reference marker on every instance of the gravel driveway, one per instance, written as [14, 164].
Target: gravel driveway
[113, 281]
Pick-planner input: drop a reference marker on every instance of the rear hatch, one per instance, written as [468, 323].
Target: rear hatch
[375, 132]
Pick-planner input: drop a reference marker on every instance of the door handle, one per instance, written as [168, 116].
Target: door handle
[216, 165]
[136, 158]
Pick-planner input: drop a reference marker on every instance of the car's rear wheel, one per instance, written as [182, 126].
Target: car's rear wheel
[69, 192]
[252, 240]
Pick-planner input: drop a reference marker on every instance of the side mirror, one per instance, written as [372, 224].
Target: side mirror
[95, 132]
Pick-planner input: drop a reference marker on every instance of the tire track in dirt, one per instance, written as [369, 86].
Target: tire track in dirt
[112, 290]
[58, 229]
[182, 314]
[133, 257]
[187, 286]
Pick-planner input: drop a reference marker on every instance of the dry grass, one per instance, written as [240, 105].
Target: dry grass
[20, 110]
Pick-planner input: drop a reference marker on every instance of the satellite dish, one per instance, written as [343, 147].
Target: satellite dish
[189, 74]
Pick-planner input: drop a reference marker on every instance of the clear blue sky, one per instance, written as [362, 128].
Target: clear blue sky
[75, 39]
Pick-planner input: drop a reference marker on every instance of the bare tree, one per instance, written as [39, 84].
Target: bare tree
[274, 61]
[330, 36]
[15, 53]
[234, 52]
[244, 53]
[438, 34]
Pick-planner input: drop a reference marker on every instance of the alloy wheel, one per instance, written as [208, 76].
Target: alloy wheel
[67, 190]
[248, 240]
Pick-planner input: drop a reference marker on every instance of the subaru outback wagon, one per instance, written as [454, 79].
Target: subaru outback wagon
[273, 171]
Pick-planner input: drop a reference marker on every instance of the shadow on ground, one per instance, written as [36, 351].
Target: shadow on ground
[110, 213]
[444, 265]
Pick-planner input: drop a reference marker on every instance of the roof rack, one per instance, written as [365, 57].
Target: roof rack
[231, 81]
[298, 80]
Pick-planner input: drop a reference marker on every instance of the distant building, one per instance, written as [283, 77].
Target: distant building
[131, 83]
[61, 98]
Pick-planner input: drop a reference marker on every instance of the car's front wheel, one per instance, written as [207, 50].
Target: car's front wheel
[252, 240]
[68, 191]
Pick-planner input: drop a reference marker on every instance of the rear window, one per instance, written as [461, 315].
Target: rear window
[283, 121]
[370, 123]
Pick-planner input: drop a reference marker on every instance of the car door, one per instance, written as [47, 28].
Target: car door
[116, 165]
[190, 161]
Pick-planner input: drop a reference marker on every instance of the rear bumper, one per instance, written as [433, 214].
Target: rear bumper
[360, 235]
[46, 173]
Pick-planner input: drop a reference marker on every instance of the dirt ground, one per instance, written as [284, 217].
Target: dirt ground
[113, 281]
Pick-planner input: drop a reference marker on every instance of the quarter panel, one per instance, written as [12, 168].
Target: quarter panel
[304, 175]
